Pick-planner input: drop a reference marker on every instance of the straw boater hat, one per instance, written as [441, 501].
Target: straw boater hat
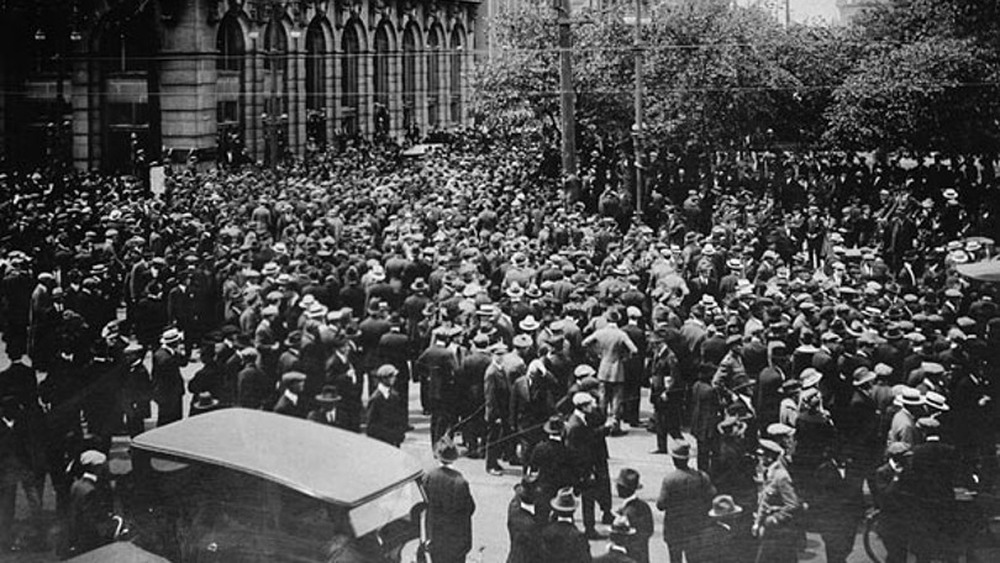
[171, 336]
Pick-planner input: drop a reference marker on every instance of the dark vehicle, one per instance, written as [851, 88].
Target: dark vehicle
[245, 485]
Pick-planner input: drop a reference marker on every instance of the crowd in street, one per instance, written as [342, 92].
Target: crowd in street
[797, 319]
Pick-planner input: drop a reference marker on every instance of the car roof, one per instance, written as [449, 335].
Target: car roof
[315, 459]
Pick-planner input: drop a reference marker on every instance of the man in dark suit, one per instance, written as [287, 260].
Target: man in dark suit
[551, 461]
[585, 442]
[496, 395]
[666, 389]
[531, 403]
[436, 368]
[396, 348]
[292, 402]
[562, 541]
[168, 385]
[685, 497]
[342, 375]
[450, 508]
[470, 382]
[386, 409]
[522, 523]
[638, 514]
[622, 533]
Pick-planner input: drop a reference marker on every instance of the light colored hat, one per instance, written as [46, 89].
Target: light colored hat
[93, 458]
[581, 399]
[171, 336]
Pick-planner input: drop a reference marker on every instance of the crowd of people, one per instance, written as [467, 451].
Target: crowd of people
[798, 321]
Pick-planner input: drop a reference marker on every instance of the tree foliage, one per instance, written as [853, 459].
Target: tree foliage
[920, 74]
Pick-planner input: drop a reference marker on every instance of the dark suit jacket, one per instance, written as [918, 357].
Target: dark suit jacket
[387, 418]
[449, 513]
[436, 366]
[552, 461]
[562, 542]
[531, 405]
[613, 556]
[640, 515]
[525, 534]
[581, 444]
[167, 380]
[287, 407]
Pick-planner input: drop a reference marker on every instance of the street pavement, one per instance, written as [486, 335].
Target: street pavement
[493, 493]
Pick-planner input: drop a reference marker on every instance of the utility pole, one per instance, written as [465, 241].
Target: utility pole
[637, 128]
[567, 102]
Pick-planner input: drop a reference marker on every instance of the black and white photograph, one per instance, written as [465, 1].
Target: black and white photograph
[499, 281]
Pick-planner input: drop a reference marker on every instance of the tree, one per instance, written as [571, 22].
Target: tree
[714, 73]
[928, 79]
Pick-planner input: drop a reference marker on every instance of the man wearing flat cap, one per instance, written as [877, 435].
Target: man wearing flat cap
[386, 408]
[292, 402]
[437, 368]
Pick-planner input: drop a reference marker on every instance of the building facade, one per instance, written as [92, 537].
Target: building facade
[103, 83]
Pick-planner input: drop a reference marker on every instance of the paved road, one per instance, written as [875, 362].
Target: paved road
[492, 493]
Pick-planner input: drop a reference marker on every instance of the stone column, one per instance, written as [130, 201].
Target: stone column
[297, 100]
[187, 82]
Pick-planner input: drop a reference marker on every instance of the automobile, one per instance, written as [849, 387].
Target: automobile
[252, 486]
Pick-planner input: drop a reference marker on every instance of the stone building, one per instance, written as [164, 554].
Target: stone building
[99, 82]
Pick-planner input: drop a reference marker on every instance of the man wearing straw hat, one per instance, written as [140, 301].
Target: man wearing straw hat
[168, 385]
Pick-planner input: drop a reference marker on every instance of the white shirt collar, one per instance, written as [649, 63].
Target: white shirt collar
[384, 390]
[292, 396]
[529, 508]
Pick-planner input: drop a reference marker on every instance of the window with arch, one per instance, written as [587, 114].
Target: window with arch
[434, 55]
[409, 74]
[350, 77]
[455, 73]
[381, 75]
[230, 45]
[275, 46]
[315, 66]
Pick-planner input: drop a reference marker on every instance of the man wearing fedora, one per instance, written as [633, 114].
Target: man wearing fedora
[717, 540]
[552, 463]
[562, 541]
[449, 507]
[386, 408]
[523, 524]
[324, 409]
[622, 533]
[685, 496]
[168, 384]
[637, 512]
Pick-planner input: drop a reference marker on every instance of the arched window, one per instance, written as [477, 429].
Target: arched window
[455, 78]
[315, 66]
[409, 74]
[230, 45]
[434, 56]
[275, 46]
[351, 48]
[382, 54]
